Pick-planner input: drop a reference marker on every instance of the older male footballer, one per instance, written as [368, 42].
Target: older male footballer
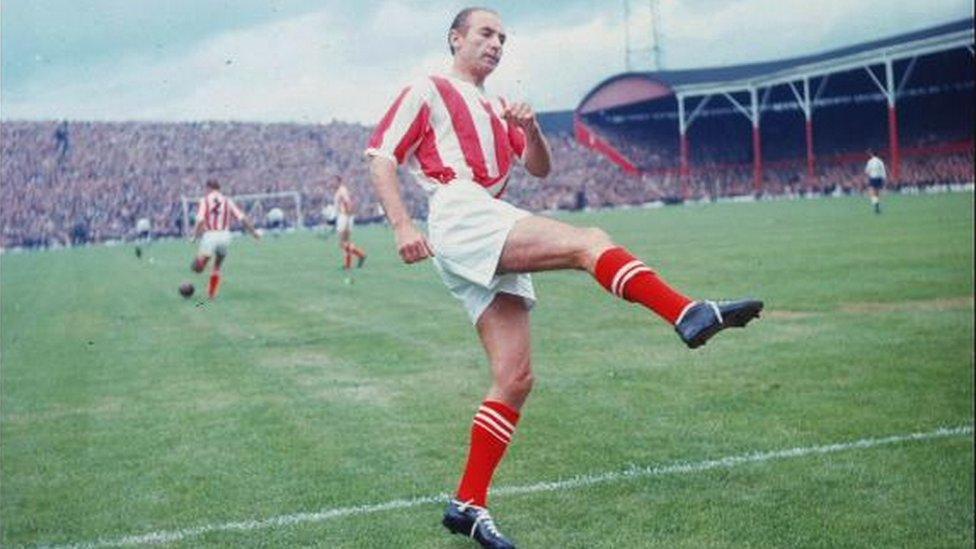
[460, 143]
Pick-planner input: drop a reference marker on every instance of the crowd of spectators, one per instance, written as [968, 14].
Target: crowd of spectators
[90, 181]
[65, 183]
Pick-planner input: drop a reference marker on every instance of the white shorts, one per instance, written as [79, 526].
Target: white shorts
[467, 229]
[344, 222]
[214, 241]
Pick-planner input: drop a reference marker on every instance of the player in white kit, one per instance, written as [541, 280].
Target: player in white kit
[875, 170]
[460, 144]
[143, 234]
[214, 216]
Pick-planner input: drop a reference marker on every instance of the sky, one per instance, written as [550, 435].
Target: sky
[316, 61]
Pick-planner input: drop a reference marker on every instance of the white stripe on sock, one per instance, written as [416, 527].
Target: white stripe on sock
[632, 274]
[492, 430]
[509, 427]
[620, 274]
[495, 424]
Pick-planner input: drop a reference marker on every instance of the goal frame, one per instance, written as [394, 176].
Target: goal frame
[186, 201]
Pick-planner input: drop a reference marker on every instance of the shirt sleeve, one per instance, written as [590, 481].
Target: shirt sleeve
[404, 125]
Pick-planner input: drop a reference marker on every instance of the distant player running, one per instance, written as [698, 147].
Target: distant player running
[213, 225]
[460, 144]
[875, 170]
[345, 218]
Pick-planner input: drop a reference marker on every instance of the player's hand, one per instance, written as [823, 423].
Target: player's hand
[412, 245]
[522, 115]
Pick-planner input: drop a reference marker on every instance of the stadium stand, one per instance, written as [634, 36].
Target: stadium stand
[76, 182]
[905, 95]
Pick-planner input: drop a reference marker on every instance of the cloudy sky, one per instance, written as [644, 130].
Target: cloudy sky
[315, 61]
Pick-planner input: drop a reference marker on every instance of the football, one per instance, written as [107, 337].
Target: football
[186, 289]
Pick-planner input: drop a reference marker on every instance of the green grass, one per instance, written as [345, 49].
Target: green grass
[127, 410]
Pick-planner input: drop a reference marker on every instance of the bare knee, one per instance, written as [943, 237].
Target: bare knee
[595, 241]
[516, 384]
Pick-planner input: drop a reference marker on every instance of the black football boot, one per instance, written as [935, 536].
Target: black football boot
[703, 319]
[474, 522]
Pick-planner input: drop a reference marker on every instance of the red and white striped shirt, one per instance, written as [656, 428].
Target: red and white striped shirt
[216, 210]
[444, 129]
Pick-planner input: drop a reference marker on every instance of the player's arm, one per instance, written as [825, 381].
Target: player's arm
[386, 149]
[250, 227]
[538, 158]
[411, 244]
[242, 217]
[198, 230]
[201, 220]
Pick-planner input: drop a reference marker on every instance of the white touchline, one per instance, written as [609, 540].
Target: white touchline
[171, 536]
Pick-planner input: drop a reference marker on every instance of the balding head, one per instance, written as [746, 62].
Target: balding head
[461, 23]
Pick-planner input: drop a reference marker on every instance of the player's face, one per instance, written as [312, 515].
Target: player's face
[480, 48]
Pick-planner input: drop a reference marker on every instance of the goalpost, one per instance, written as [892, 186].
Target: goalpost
[257, 206]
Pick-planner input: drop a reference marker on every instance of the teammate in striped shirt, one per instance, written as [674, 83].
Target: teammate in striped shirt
[345, 218]
[460, 143]
[214, 216]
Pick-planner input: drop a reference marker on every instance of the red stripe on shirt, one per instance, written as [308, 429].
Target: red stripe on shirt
[430, 160]
[503, 151]
[377, 138]
[416, 130]
[464, 128]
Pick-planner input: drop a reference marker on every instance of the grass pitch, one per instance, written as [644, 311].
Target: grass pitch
[128, 411]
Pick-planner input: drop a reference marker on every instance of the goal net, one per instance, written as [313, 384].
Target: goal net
[279, 210]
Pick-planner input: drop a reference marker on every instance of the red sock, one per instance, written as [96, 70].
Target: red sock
[627, 277]
[490, 435]
[360, 255]
[214, 284]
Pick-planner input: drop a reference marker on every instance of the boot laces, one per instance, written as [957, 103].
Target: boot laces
[485, 518]
[482, 517]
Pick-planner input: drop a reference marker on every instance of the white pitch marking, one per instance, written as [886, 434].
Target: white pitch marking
[173, 536]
